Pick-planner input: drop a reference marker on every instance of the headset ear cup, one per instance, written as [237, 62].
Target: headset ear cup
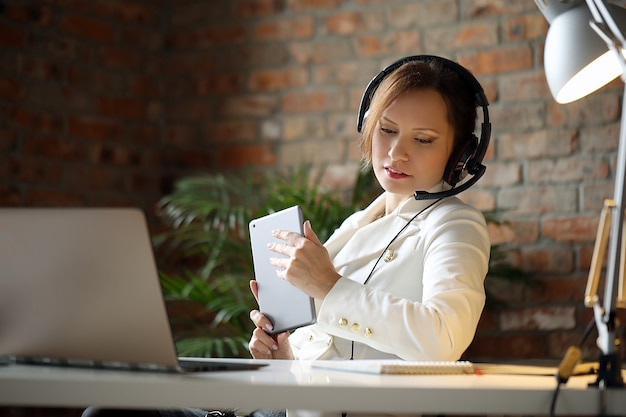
[459, 162]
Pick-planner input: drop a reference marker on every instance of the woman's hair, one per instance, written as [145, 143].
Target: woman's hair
[457, 93]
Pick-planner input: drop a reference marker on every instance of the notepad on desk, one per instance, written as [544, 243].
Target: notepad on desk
[393, 366]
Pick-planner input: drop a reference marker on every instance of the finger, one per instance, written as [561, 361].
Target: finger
[261, 321]
[262, 345]
[310, 234]
[279, 262]
[290, 237]
[284, 348]
[254, 287]
[281, 248]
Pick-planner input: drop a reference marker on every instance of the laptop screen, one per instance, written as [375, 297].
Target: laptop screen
[81, 284]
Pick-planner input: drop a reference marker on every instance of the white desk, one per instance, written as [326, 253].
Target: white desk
[286, 384]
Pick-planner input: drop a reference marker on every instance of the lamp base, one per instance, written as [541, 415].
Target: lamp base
[609, 372]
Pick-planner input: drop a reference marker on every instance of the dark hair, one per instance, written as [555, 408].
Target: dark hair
[457, 93]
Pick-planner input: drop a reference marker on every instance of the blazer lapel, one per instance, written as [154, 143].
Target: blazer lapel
[361, 239]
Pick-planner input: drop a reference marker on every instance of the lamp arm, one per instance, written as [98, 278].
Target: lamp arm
[603, 18]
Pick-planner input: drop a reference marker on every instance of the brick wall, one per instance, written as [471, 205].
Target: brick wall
[106, 102]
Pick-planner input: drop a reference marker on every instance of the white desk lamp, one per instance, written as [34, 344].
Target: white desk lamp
[584, 51]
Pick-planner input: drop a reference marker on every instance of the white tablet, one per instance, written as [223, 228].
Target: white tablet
[283, 304]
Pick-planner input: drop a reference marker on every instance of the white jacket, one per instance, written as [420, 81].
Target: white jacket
[423, 304]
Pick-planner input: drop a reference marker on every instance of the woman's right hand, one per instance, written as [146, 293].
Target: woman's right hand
[263, 345]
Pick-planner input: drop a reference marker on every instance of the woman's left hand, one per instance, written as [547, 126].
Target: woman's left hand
[307, 265]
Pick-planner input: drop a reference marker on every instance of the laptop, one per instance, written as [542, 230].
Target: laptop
[79, 286]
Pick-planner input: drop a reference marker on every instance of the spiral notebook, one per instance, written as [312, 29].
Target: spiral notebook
[393, 366]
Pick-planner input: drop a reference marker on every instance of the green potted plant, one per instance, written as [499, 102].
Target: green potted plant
[204, 255]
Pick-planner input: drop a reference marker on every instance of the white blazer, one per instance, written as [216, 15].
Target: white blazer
[422, 302]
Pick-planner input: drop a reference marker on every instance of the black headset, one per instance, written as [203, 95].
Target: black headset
[466, 160]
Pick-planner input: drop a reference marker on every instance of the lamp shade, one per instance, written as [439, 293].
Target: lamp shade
[577, 60]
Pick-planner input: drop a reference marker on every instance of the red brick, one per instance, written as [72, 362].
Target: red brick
[145, 135]
[235, 131]
[142, 37]
[295, 28]
[32, 120]
[526, 27]
[513, 231]
[243, 156]
[11, 89]
[195, 38]
[507, 345]
[120, 58]
[51, 148]
[249, 106]
[96, 178]
[259, 8]
[523, 87]
[10, 196]
[577, 229]
[33, 171]
[145, 86]
[422, 14]
[559, 342]
[502, 174]
[305, 102]
[555, 259]
[323, 51]
[537, 200]
[538, 144]
[557, 290]
[121, 107]
[475, 9]
[279, 79]
[29, 13]
[189, 110]
[187, 63]
[121, 156]
[403, 42]
[95, 128]
[345, 23]
[224, 83]
[594, 109]
[194, 159]
[53, 198]
[483, 200]
[198, 13]
[42, 68]
[95, 79]
[144, 184]
[313, 5]
[570, 169]
[8, 139]
[539, 318]
[460, 37]
[497, 61]
[87, 27]
[128, 12]
[345, 74]
[11, 36]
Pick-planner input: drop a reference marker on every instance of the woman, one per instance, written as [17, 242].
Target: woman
[403, 278]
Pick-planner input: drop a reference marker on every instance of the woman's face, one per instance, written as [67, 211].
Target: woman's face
[412, 143]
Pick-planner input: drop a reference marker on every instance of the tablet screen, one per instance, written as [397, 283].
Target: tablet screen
[283, 304]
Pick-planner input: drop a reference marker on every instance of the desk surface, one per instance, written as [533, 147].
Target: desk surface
[287, 384]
